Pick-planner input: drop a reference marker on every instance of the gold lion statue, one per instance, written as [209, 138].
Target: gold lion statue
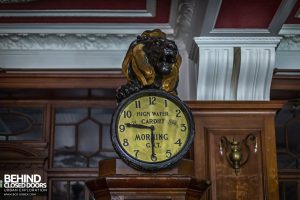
[152, 61]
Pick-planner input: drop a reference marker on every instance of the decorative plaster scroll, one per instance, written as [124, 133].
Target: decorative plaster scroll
[63, 51]
[257, 64]
[214, 73]
[289, 43]
[65, 41]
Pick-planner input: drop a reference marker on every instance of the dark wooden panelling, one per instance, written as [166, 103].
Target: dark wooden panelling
[248, 183]
[285, 84]
[258, 178]
[68, 79]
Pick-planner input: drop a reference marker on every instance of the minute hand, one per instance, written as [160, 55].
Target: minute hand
[139, 126]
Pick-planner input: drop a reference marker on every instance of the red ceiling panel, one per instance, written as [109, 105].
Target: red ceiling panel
[246, 13]
[292, 19]
[162, 11]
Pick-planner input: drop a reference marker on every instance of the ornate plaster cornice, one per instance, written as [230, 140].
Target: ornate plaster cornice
[65, 41]
[107, 36]
[289, 43]
[73, 36]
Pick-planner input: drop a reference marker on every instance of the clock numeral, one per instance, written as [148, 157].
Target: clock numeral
[138, 104]
[127, 114]
[122, 128]
[168, 153]
[166, 103]
[178, 142]
[152, 100]
[125, 142]
[136, 152]
[178, 113]
[153, 157]
[183, 127]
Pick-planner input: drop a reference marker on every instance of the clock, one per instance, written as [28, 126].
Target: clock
[152, 130]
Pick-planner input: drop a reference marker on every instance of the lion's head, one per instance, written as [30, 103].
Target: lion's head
[152, 60]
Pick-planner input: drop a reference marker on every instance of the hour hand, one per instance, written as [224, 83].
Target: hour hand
[141, 126]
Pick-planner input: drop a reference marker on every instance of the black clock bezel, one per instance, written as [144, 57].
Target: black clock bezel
[153, 166]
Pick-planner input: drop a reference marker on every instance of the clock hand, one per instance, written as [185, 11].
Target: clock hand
[153, 157]
[152, 137]
[139, 126]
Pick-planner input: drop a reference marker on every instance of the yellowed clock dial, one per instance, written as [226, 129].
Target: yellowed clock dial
[152, 128]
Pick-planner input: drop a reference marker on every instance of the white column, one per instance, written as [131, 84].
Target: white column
[235, 68]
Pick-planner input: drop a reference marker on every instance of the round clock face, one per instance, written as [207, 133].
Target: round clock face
[152, 130]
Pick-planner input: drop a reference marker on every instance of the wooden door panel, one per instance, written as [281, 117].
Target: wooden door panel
[226, 185]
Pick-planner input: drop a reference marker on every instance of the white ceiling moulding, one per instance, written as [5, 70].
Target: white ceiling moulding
[93, 28]
[61, 59]
[210, 17]
[150, 11]
[289, 43]
[88, 36]
[287, 59]
[62, 41]
[288, 52]
[63, 51]
[237, 41]
[290, 29]
[93, 45]
[282, 13]
[88, 28]
[239, 31]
